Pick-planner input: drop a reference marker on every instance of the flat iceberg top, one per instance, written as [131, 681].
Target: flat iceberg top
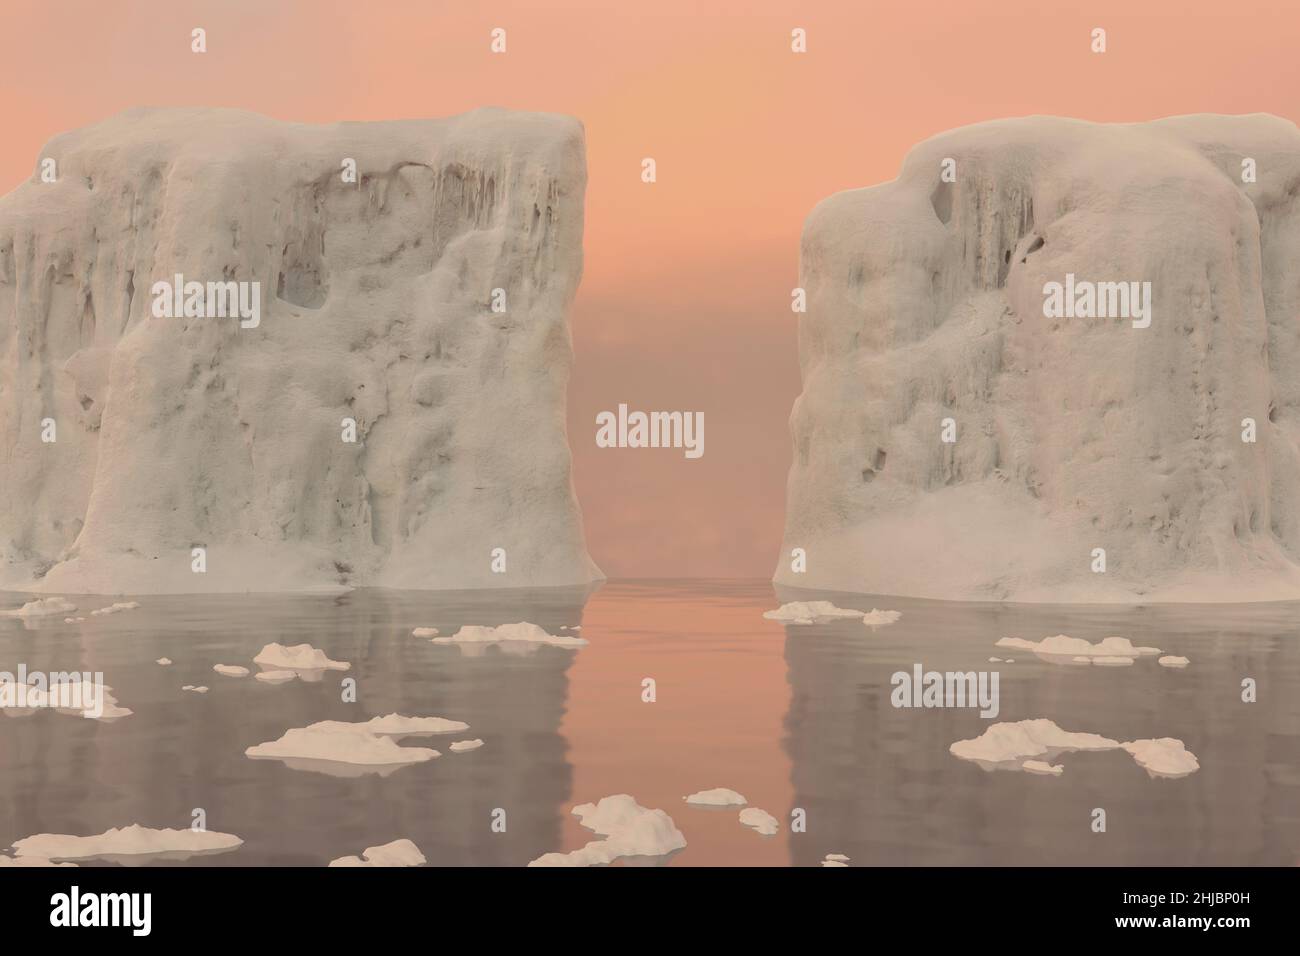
[130, 841]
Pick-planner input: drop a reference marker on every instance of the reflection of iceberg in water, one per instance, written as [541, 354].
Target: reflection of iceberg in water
[879, 783]
[183, 751]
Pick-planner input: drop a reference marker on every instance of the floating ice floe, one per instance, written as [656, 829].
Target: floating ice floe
[301, 660]
[1017, 745]
[346, 749]
[717, 797]
[198, 690]
[276, 677]
[1163, 757]
[759, 820]
[835, 859]
[397, 853]
[1172, 660]
[164, 662]
[628, 829]
[115, 609]
[425, 632]
[230, 670]
[79, 698]
[876, 618]
[29, 861]
[1061, 649]
[463, 746]
[809, 612]
[41, 607]
[131, 845]
[73, 620]
[520, 638]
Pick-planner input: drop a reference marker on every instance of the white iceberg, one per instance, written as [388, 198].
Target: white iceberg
[464, 746]
[1030, 745]
[876, 618]
[809, 612]
[1062, 649]
[759, 820]
[41, 607]
[521, 633]
[1173, 660]
[230, 670]
[304, 660]
[629, 830]
[345, 749]
[164, 662]
[425, 632]
[132, 844]
[717, 797]
[396, 853]
[116, 608]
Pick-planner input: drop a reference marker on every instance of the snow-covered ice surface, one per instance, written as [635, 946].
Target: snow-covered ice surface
[1062, 649]
[375, 305]
[717, 797]
[132, 845]
[810, 612]
[627, 830]
[41, 607]
[1017, 745]
[925, 302]
[521, 637]
[343, 749]
[301, 660]
[759, 820]
[396, 853]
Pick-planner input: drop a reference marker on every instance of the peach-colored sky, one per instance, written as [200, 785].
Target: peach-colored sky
[685, 297]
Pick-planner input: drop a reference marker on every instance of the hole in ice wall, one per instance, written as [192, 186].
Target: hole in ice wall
[941, 200]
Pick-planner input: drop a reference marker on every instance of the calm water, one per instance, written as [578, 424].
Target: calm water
[789, 716]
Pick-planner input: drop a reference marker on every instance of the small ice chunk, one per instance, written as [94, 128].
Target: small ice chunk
[77, 698]
[346, 749]
[73, 620]
[829, 862]
[876, 618]
[1113, 651]
[462, 746]
[1018, 745]
[425, 632]
[164, 662]
[717, 797]
[628, 829]
[116, 608]
[1163, 757]
[809, 612]
[29, 861]
[1009, 744]
[397, 853]
[1173, 660]
[995, 660]
[41, 607]
[276, 677]
[759, 820]
[198, 690]
[1042, 767]
[300, 657]
[837, 857]
[230, 670]
[132, 844]
[520, 633]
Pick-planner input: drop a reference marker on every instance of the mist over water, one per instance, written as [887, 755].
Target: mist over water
[790, 716]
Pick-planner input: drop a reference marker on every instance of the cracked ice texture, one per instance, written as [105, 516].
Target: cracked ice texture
[375, 306]
[925, 302]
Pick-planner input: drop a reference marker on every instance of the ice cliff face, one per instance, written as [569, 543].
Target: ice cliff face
[927, 318]
[424, 299]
